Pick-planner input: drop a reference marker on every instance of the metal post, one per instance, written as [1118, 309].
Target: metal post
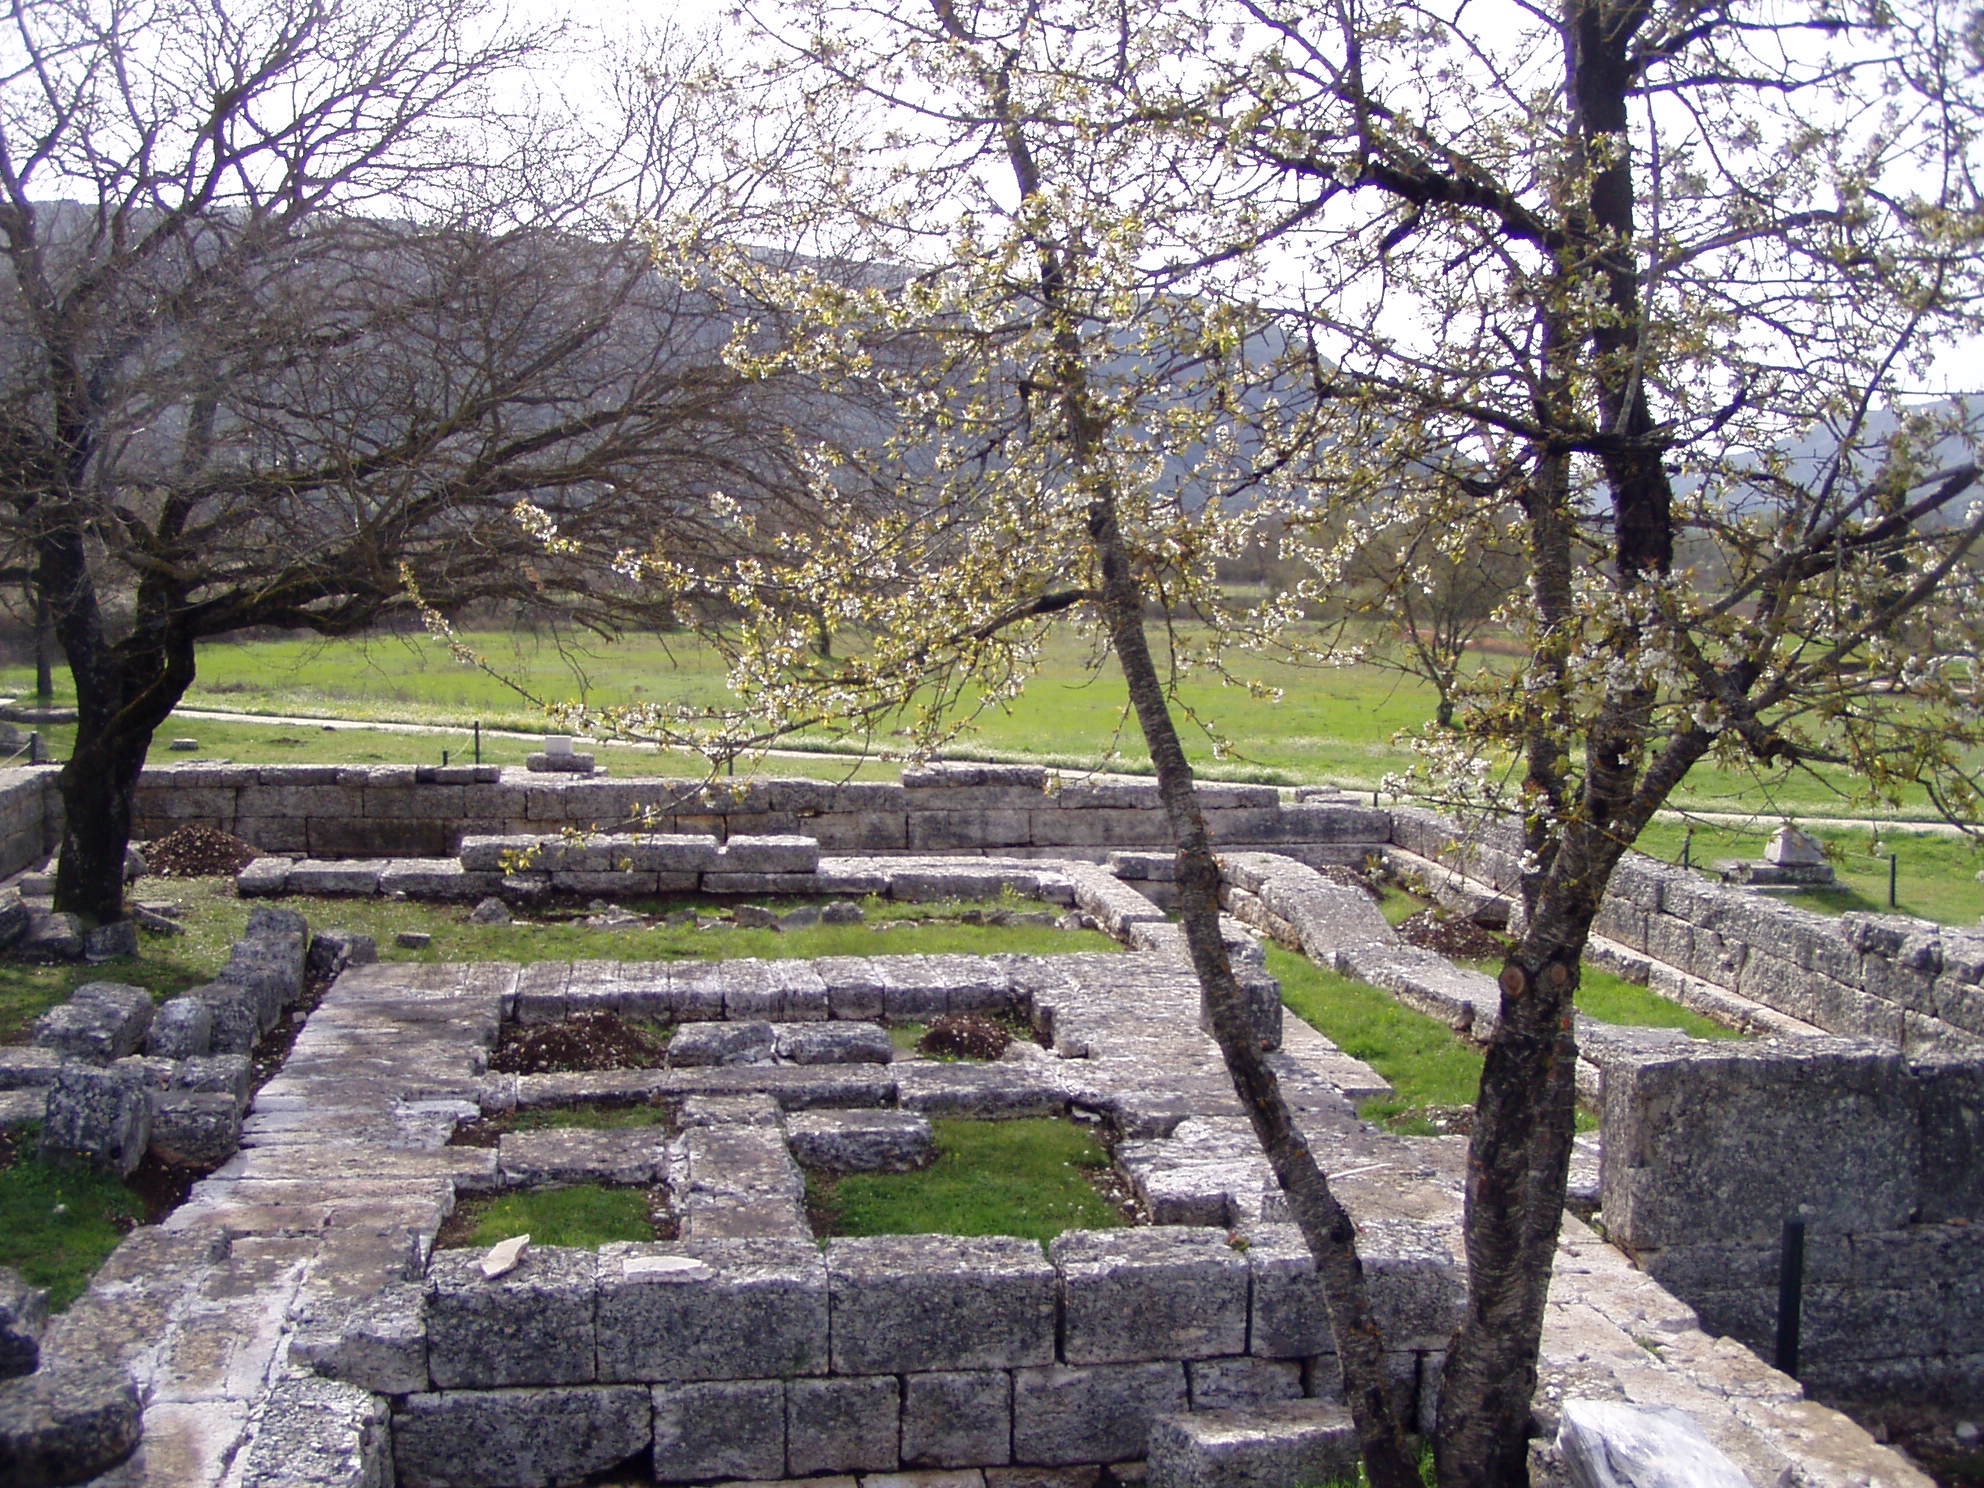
[1894, 873]
[34, 746]
[1790, 1292]
[478, 741]
[444, 759]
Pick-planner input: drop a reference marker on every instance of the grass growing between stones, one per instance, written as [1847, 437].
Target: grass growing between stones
[58, 1223]
[1427, 1063]
[1613, 999]
[585, 1214]
[1032, 1177]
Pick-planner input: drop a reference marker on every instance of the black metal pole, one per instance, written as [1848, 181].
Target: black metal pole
[1893, 874]
[1790, 1292]
[478, 741]
[1688, 850]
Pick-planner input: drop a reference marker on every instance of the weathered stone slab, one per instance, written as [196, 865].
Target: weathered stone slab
[1616, 1444]
[768, 853]
[833, 1043]
[1416, 1288]
[503, 1438]
[1264, 1446]
[957, 1418]
[565, 1155]
[988, 1091]
[23, 1318]
[722, 1429]
[25, 1067]
[842, 1424]
[860, 1141]
[96, 1116]
[748, 1041]
[532, 1326]
[902, 1303]
[101, 1022]
[1226, 1384]
[1166, 1292]
[195, 1128]
[728, 1309]
[181, 1028]
[65, 1424]
[1101, 1413]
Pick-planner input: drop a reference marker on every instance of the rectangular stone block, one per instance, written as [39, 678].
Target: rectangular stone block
[957, 1418]
[534, 1326]
[769, 853]
[1949, 1101]
[909, 1303]
[740, 1309]
[721, 1429]
[1727, 1139]
[1102, 1413]
[929, 831]
[501, 1438]
[1222, 1384]
[1166, 1292]
[842, 1425]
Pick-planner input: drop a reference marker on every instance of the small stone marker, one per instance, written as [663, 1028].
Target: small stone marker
[1614, 1444]
[413, 940]
[504, 1256]
[1791, 848]
[184, 746]
[491, 911]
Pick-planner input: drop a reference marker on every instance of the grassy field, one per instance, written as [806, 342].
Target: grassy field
[1335, 725]
[1024, 1177]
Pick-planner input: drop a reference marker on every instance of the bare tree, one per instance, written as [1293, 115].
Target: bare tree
[301, 311]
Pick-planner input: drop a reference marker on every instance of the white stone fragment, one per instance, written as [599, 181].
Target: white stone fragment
[504, 1256]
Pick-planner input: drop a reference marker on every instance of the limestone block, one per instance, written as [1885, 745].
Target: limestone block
[502, 1438]
[532, 1326]
[989, 1091]
[1102, 1413]
[181, 1028]
[319, 876]
[1265, 1446]
[1224, 1384]
[1949, 1099]
[25, 1067]
[739, 1161]
[902, 1303]
[66, 1423]
[712, 1310]
[860, 1141]
[1726, 1139]
[264, 878]
[842, 1425]
[957, 1418]
[1165, 1292]
[224, 1072]
[195, 1128]
[436, 878]
[377, 1341]
[745, 1042]
[784, 991]
[1416, 1288]
[721, 1429]
[770, 853]
[23, 1317]
[755, 1109]
[940, 830]
[96, 1116]
[837, 1042]
[1617, 1444]
[566, 1155]
[488, 853]
[100, 1022]
[760, 883]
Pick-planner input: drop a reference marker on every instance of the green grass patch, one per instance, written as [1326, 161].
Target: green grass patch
[585, 1214]
[57, 1223]
[1427, 1063]
[1029, 1177]
[587, 1117]
[1613, 999]
[1935, 877]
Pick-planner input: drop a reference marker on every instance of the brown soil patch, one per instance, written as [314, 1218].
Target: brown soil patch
[1452, 937]
[584, 1041]
[965, 1036]
[198, 852]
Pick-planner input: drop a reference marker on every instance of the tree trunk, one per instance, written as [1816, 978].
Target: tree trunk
[1325, 1226]
[99, 785]
[44, 651]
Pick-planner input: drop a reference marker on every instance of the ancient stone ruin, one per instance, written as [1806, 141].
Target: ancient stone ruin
[292, 1323]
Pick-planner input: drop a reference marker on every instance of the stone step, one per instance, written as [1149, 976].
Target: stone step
[1259, 1446]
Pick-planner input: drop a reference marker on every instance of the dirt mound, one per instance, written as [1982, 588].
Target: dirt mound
[584, 1041]
[1350, 878]
[198, 852]
[1457, 939]
[965, 1036]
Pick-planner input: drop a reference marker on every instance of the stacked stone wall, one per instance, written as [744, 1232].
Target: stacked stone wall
[30, 817]
[1709, 1148]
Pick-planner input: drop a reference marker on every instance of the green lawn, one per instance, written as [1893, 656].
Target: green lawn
[586, 1214]
[1024, 1177]
[58, 1223]
[1340, 725]
[1427, 1063]
[1613, 999]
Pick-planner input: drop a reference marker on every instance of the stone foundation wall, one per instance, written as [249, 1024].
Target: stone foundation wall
[385, 811]
[1710, 1147]
[30, 817]
[1911, 983]
[761, 1359]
